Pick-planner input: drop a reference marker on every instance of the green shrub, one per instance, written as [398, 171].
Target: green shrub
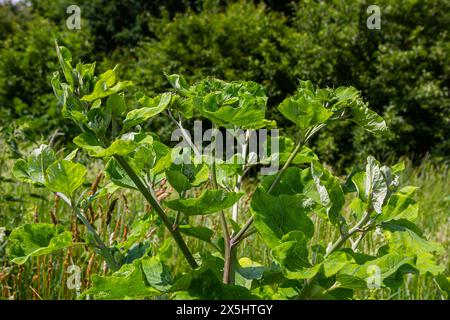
[26, 64]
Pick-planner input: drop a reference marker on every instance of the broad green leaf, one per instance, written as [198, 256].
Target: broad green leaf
[329, 191]
[201, 233]
[65, 58]
[277, 216]
[305, 273]
[137, 233]
[371, 273]
[401, 225]
[408, 243]
[249, 269]
[292, 182]
[117, 175]
[65, 176]
[357, 207]
[345, 95]
[375, 185]
[166, 157]
[304, 112]
[33, 240]
[369, 119]
[33, 170]
[178, 180]
[400, 205]
[144, 157]
[178, 82]
[239, 103]
[135, 251]
[72, 155]
[285, 148]
[292, 253]
[359, 180]
[399, 167]
[156, 273]
[127, 283]
[185, 176]
[105, 86]
[99, 118]
[210, 201]
[20, 171]
[335, 262]
[116, 103]
[123, 146]
[204, 283]
[152, 108]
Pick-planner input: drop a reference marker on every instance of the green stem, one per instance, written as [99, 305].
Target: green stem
[337, 245]
[240, 235]
[158, 209]
[228, 272]
[105, 251]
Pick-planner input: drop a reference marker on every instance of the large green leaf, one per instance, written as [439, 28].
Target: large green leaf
[276, 216]
[156, 273]
[144, 157]
[116, 103]
[335, 262]
[127, 283]
[400, 205]
[178, 82]
[201, 233]
[329, 191]
[371, 185]
[106, 85]
[152, 107]
[316, 183]
[375, 184]
[238, 103]
[123, 146]
[292, 252]
[65, 59]
[293, 182]
[33, 240]
[210, 201]
[33, 170]
[178, 180]
[371, 273]
[118, 176]
[65, 176]
[369, 119]
[204, 283]
[304, 111]
[285, 148]
[186, 176]
[407, 243]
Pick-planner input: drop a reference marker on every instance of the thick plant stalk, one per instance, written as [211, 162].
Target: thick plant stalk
[228, 273]
[235, 209]
[158, 209]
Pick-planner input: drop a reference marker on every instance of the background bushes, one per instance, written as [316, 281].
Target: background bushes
[402, 69]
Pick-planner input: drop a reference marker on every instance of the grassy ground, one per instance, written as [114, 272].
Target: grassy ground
[45, 277]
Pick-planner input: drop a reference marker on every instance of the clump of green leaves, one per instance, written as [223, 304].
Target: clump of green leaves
[283, 210]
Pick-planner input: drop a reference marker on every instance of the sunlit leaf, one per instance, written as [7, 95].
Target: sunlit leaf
[210, 201]
[33, 240]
